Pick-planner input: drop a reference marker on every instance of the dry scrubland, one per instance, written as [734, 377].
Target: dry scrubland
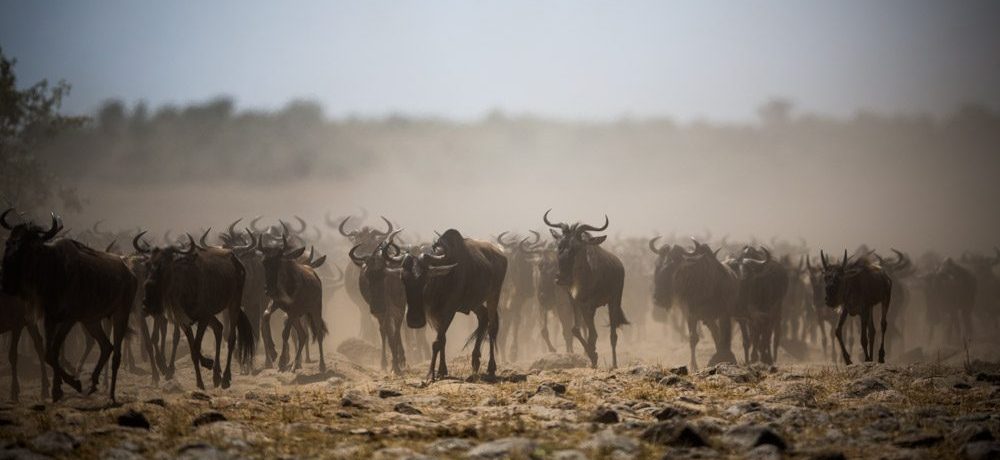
[549, 408]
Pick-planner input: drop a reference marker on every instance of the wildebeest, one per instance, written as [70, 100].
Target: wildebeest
[898, 270]
[294, 287]
[553, 297]
[519, 287]
[858, 286]
[366, 238]
[382, 288]
[763, 285]
[707, 288]
[594, 276]
[466, 276]
[987, 305]
[191, 286]
[951, 292]
[69, 283]
[825, 317]
[15, 317]
[254, 297]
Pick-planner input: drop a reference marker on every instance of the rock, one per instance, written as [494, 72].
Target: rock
[208, 417]
[980, 450]
[115, 453]
[672, 411]
[606, 442]
[682, 370]
[555, 387]
[605, 415]
[560, 361]
[406, 408]
[864, 386]
[824, 455]
[354, 398]
[569, 454]
[448, 445]
[133, 419]
[199, 396]
[918, 440]
[201, 451]
[971, 433]
[397, 453]
[157, 402]
[503, 448]
[673, 435]
[764, 452]
[733, 372]
[171, 386]
[55, 442]
[388, 393]
[750, 436]
[359, 352]
[989, 378]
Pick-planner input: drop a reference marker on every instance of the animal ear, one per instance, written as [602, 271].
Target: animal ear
[596, 239]
[439, 270]
[318, 262]
[296, 253]
[554, 233]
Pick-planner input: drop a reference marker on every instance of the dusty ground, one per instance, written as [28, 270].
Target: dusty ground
[537, 410]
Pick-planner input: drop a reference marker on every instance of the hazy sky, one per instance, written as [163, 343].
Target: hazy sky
[459, 59]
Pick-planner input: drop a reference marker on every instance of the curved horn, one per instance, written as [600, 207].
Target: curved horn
[111, 245]
[538, 237]
[253, 225]
[501, 241]
[312, 251]
[559, 225]
[340, 228]
[388, 224]
[652, 245]
[191, 245]
[808, 263]
[3, 219]
[822, 258]
[204, 238]
[358, 260]
[845, 258]
[301, 223]
[254, 243]
[340, 272]
[388, 243]
[591, 228]
[232, 227]
[767, 254]
[54, 229]
[135, 244]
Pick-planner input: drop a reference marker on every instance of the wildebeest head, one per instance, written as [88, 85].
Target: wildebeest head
[385, 261]
[570, 240]
[417, 271]
[277, 261]
[833, 279]
[162, 267]
[367, 237]
[22, 245]
[753, 261]
[667, 260]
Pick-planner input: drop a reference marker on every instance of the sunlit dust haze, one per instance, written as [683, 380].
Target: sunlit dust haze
[840, 123]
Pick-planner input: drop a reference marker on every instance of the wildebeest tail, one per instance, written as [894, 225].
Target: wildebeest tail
[477, 335]
[617, 316]
[317, 327]
[244, 340]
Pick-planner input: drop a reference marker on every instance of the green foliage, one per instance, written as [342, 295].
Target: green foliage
[29, 117]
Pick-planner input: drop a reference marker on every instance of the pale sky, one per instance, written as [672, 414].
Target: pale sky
[569, 59]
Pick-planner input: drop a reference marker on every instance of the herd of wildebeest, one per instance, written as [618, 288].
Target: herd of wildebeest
[233, 281]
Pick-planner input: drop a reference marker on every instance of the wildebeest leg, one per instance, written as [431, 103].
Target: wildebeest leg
[443, 338]
[840, 336]
[384, 336]
[303, 337]
[120, 328]
[493, 314]
[615, 305]
[482, 323]
[55, 335]
[863, 320]
[216, 326]
[885, 314]
[87, 347]
[395, 342]
[285, 331]
[317, 319]
[194, 344]
[147, 345]
[15, 386]
[173, 352]
[577, 327]
[776, 333]
[693, 340]
[545, 329]
[36, 339]
[97, 332]
[301, 333]
[591, 346]
[270, 354]
[745, 335]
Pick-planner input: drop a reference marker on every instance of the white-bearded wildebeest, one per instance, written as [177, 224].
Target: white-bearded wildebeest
[951, 292]
[706, 288]
[294, 287]
[15, 316]
[763, 285]
[898, 270]
[858, 286]
[366, 238]
[192, 286]
[465, 277]
[594, 277]
[552, 297]
[382, 288]
[69, 283]
[254, 297]
[519, 288]
[825, 317]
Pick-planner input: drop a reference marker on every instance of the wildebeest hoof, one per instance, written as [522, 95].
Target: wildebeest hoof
[169, 373]
[57, 394]
[216, 381]
[76, 385]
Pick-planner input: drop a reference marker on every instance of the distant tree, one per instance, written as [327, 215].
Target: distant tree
[28, 117]
[775, 111]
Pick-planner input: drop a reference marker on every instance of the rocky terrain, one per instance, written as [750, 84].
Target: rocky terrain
[554, 407]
